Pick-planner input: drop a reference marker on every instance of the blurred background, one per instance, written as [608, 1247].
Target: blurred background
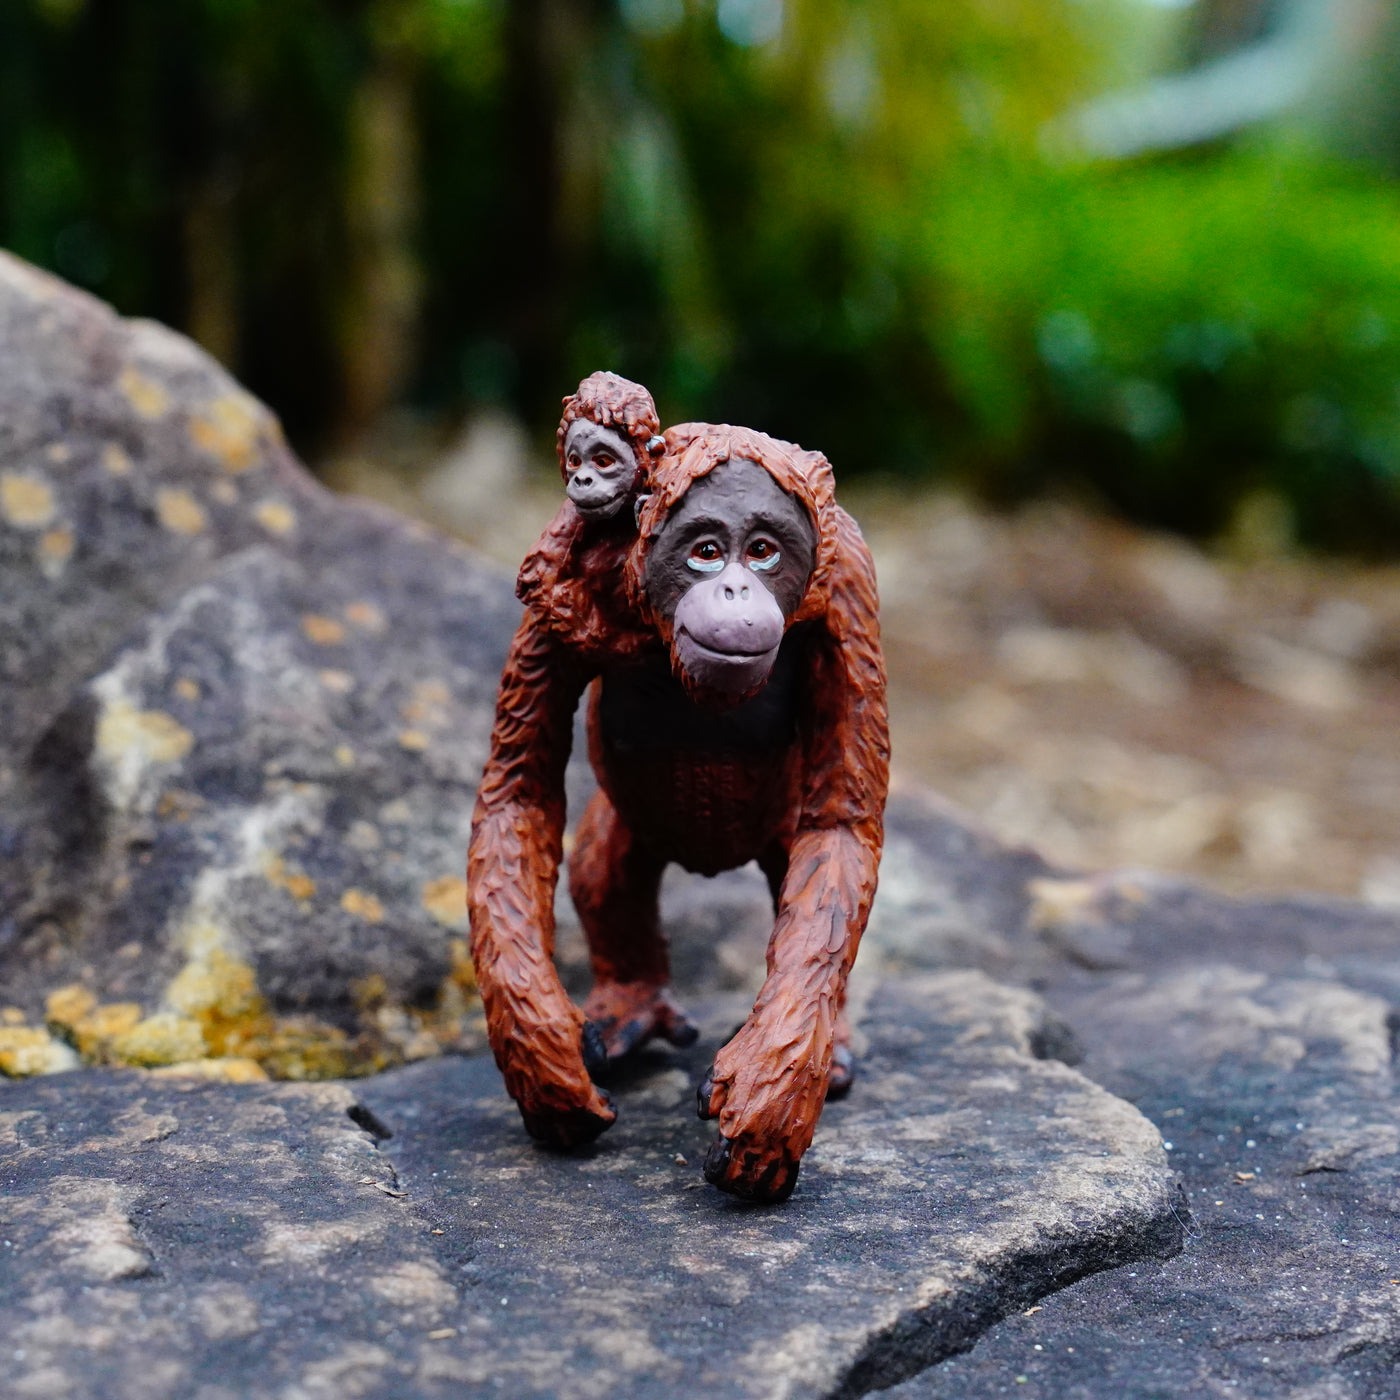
[1094, 304]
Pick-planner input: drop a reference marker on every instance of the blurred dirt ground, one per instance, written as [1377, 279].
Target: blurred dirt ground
[1109, 696]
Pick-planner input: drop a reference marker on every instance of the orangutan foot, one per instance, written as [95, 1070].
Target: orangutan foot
[842, 1073]
[628, 1014]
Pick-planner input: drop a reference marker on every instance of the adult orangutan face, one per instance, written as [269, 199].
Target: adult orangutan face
[602, 469]
[728, 569]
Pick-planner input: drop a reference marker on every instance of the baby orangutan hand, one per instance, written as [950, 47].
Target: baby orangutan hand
[766, 1087]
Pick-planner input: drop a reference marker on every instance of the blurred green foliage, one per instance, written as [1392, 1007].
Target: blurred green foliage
[832, 219]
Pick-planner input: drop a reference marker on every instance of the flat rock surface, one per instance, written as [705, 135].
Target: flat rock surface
[1276, 1096]
[168, 1239]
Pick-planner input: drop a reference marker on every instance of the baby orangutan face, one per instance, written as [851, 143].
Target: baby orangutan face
[602, 469]
[728, 569]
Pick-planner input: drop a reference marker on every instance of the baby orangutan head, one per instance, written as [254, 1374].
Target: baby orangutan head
[727, 569]
[607, 438]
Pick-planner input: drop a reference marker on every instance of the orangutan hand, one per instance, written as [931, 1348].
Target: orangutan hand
[766, 1087]
[546, 1075]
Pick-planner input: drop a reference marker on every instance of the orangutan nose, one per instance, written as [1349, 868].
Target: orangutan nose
[732, 613]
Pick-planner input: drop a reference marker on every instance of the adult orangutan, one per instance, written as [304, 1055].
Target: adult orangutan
[737, 713]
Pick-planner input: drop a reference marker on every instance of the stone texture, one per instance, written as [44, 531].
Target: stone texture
[241, 722]
[1274, 1090]
[240, 725]
[159, 1236]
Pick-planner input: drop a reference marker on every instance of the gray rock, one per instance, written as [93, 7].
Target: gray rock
[212, 1240]
[241, 722]
[129, 462]
[1275, 1094]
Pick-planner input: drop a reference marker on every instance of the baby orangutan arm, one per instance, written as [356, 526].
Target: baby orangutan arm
[768, 1084]
[536, 1032]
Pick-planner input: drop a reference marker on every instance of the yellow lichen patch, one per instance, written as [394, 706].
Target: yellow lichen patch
[324, 631]
[234, 1070]
[26, 1050]
[216, 983]
[297, 884]
[125, 734]
[58, 453]
[342, 682]
[345, 755]
[225, 492]
[115, 461]
[147, 397]
[414, 740]
[73, 1013]
[180, 512]
[26, 502]
[162, 1039]
[446, 900]
[276, 517]
[11, 1016]
[97, 1031]
[55, 550]
[308, 1049]
[187, 689]
[220, 991]
[366, 616]
[228, 429]
[66, 1006]
[362, 905]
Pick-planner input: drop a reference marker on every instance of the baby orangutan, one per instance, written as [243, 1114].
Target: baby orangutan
[737, 713]
[607, 440]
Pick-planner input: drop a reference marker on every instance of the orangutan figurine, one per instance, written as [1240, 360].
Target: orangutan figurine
[607, 440]
[736, 713]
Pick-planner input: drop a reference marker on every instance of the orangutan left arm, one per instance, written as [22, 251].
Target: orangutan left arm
[769, 1082]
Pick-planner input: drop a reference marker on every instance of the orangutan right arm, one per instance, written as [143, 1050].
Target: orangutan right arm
[535, 1031]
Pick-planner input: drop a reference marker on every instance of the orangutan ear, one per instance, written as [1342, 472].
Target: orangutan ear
[637, 505]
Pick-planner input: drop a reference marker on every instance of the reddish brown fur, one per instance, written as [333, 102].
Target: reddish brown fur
[560, 574]
[812, 815]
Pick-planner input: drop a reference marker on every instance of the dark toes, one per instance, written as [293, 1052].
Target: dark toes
[681, 1032]
[770, 1184]
[717, 1161]
[626, 1036]
[571, 1129]
[595, 1052]
[704, 1093]
[843, 1073]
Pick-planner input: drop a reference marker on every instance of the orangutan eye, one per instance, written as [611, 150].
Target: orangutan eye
[762, 555]
[706, 558]
[575, 461]
[603, 461]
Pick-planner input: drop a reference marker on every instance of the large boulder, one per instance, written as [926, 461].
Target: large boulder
[241, 723]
